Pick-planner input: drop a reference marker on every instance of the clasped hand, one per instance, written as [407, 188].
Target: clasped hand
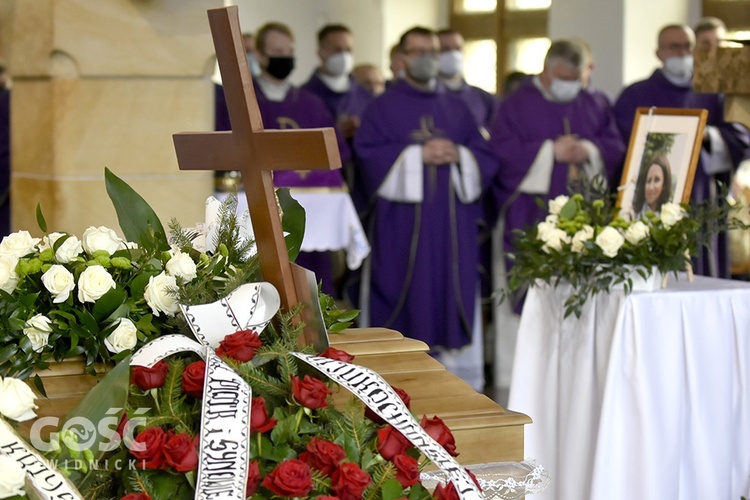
[439, 152]
[570, 149]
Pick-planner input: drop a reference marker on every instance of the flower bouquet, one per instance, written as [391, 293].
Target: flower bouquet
[584, 242]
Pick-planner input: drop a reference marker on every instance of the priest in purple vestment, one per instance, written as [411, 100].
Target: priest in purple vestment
[481, 103]
[724, 146]
[424, 167]
[548, 134]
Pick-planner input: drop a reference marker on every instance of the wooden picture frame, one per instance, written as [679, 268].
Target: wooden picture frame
[664, 143]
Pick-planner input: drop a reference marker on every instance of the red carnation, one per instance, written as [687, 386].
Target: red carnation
[407, 470]
[253, 478]
[148, 448]
[310, 392]
[181, 452]
[149, 378]
[323, 455]
[349, 481]
[259, 420]
[193, 377]
[391, 442]
[376, 418]
[240, 346]
[337, 354]
[291, 478]
[136, 496]
[440, 432]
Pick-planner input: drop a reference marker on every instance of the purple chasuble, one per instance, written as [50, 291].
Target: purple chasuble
[660, 92]
[350, 103]
[524, 121]
[300, 109]
[482, 104]
[424, 256]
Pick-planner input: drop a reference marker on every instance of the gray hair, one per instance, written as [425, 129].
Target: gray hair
[566, 52]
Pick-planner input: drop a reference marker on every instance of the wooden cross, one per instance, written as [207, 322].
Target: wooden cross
[256, 152]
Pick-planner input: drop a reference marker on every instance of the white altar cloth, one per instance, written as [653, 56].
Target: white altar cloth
[331, 222]
[645, 396]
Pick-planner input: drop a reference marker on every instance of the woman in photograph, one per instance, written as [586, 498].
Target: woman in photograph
[654, 186]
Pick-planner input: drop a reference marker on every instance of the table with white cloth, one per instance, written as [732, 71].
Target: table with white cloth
[644, 396]
[331, 222]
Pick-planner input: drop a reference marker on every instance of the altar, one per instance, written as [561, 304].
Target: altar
[644, 396]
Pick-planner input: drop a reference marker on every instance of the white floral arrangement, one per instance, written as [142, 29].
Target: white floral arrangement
[585, 243]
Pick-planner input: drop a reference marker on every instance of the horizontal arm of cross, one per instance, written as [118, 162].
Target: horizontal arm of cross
[299, 149]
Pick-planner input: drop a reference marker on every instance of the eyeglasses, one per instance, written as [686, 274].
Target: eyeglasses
[421, 52]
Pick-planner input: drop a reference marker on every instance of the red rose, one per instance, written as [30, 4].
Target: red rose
[337, 354]
[147, 448]
[149, 378]
[447, 492]
[121, 426]
[440, 432]
[136, 496]
[349, 481]
[327, 498]
[391, 442]
[310, 392]
[253, 478]
[323, 455]
[407, 470]
[291, 478]
[259, 421]
[193, 377]
[181, 452]
[241, 345]
[376, 418]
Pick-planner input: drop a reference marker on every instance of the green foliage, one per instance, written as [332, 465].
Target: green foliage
[293, 222]
[566, 248]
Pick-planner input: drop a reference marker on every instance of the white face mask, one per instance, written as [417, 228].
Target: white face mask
[252, 63]
[340, 63]
[679, 67]
[451, 63]
[564, 90]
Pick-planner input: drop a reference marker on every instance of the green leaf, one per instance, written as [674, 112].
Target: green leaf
[392, 490]
[7, 352]
[292, 223]
[138, 221]
[108, 303]
[569, 210]
[39, 385]
[40, 218]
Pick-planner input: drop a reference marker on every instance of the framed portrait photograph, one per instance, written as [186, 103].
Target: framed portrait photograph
[662, 156]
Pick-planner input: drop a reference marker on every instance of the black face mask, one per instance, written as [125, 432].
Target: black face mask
[280, 67]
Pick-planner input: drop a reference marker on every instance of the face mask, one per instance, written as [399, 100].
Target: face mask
[280, 67]
[679, 68]
[423, 68]
[564, 90]
[252, 63]
[340, 63]
[451, 63]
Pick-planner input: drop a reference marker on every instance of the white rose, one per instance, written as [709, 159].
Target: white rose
[637, 232]
[37, 329]
[181, 266]
[69, 250]
[582, 235]
[543, 227]
[610, 240]
[671, 214]
[100, 238]
[16, 400]
[18, 244]
[124, 337]
[554, 239]
[94, 282]
[13, 477]
[158, 296]
[557, 204]
[59, 282]
[8, 276]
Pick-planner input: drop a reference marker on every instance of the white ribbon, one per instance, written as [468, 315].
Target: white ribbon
[380, 397]
[48, 483]
[223, 455]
